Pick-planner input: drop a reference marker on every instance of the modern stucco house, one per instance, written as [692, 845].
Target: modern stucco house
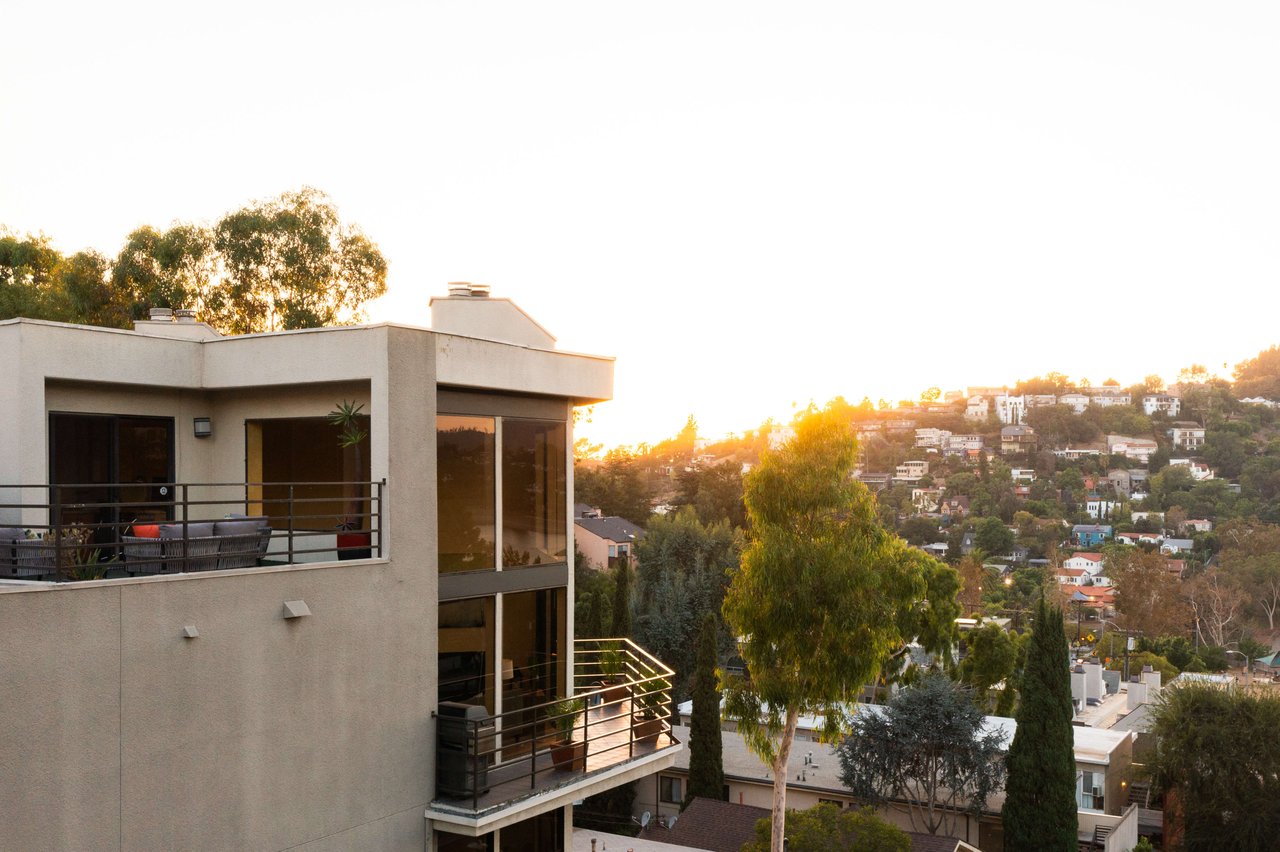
[208, 694]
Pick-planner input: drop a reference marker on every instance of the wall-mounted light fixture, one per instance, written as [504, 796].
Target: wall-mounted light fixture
[204, 427]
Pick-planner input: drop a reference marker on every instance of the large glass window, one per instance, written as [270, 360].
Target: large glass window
[533, 492]
[466, 652]
[465, 465]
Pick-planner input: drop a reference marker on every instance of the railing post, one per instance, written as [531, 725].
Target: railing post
[55, 520]
[290, 523]
[186, 530]
[380, 485]
[475, 764]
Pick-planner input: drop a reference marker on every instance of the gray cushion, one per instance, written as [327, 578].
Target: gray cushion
[9, 534]
[194, 530]
[248, 526]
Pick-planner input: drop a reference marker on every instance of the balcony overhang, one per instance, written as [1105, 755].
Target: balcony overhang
[459, 819]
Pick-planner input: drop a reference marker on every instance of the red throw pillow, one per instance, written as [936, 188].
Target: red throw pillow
[146, 530]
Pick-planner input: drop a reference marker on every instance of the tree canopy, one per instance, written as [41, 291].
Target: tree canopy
[1218, 761]
[823, 828]
[927, 747]
[284, 263]
[822, 595]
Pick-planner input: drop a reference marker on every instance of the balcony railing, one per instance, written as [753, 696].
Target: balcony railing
[619, 713]
[71, 532]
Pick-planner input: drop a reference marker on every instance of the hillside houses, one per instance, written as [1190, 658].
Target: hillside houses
[1161, 403]
[1017, 439]
[1138, 449]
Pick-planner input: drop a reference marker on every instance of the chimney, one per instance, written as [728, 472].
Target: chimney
[470, 311]
[1137, 693]
[1092, 679]
[1151, 678]
[187, 315]
[160, 314]
[1077, 686]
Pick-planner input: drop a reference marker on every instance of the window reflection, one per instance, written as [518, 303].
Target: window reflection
[466, 652]
[465, 456]
[533, 492]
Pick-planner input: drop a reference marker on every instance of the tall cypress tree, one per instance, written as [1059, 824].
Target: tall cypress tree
[622, 601]
[706, 759]
[1040, 798]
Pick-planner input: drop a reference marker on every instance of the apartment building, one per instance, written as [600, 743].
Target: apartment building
[225, 626]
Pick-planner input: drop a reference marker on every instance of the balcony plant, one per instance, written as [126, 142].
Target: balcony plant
[647, 724]
[353, 539]
[565, 753]
[612, 663]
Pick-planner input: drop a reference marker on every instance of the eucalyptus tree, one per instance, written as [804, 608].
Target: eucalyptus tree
[823, 597]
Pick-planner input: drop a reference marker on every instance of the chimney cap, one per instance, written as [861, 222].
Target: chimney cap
[160, 314]
[1148, 668]
[184, 315]
[459, 288]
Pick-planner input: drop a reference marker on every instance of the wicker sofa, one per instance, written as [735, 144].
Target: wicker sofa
[234, 542]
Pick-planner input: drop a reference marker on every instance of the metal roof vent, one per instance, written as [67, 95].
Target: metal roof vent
[479, 291]
[459, 288]
[160, 314]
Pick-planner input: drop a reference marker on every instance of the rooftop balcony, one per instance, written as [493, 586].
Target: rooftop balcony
[493, 770]
[65, 533]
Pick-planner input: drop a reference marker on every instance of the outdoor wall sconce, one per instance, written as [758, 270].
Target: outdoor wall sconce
[296, 609]
[204, 427]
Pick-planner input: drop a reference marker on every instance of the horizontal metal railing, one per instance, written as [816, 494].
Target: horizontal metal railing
[66, 532]
[620, 708]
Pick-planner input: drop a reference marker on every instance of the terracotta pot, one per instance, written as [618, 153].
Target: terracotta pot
[354, 540]
[571, 757]
[646, 730]
[614, 691]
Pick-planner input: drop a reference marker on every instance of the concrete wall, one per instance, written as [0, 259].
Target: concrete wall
[262, 733]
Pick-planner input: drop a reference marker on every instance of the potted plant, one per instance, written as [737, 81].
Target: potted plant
[566, 754]
[611, 665]
[353, 539]
[647, 724]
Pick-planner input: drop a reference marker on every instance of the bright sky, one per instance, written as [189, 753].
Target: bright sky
[750, 204]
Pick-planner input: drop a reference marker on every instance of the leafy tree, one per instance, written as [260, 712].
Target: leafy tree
[926, 748]
[919, 531]
[1040, 800]
[1149, 599]
[1217, 759]
[992, 657]
[1259, 376]
[27, 280]
[289, 262]
[715, 493]
[615, 486]
[706, 758]
[973, 576]
[822, 595]
[682, 572]
[826, 827]
[1251, 554]
[1218, 606]
[176, 268]
[993, 537]
[1138, 659]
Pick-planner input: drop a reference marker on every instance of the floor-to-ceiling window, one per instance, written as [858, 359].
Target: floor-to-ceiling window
[502, 492]
[465, 475]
